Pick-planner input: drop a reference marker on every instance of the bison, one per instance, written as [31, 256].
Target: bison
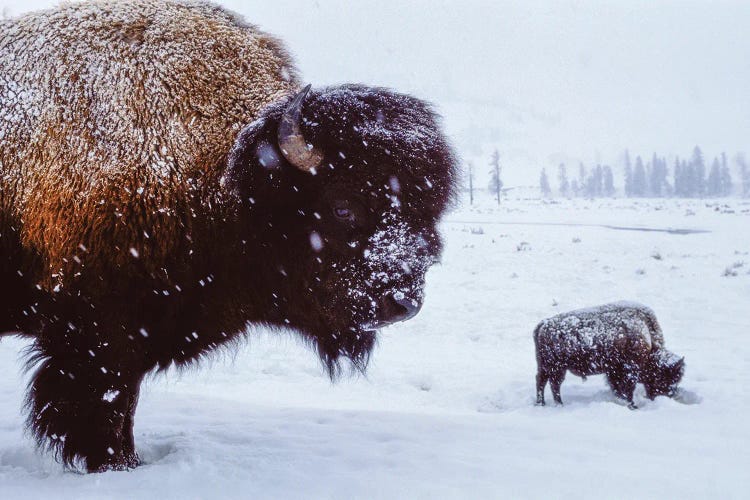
[622, 340]
[166, 181]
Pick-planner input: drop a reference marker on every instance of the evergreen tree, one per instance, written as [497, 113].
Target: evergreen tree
[496, 184]
[598, 181]
[678, 182]
[562, 175]
[640, 186]
[657, 176]
[650, 168]
[471, 183]
[667, 188]
[582, 190]
[590, 189]
[574, 188]
[726, 177]
[628, 187]
[689, 177]
[744, 175]
[544, 184]
[628, 180]
[713, 183]
[698, 177]
[609, 181]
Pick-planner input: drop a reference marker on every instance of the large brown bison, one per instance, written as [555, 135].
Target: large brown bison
[165, 181]
[622, 340]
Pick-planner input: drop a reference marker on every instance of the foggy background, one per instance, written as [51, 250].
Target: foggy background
[543, 82]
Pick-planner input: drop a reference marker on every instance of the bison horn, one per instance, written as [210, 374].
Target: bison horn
[293, 145]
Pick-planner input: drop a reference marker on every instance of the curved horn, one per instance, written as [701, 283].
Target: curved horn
[292, 143]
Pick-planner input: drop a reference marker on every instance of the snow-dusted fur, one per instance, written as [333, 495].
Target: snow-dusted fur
[622, 340]
[123, 110]
[131, 239]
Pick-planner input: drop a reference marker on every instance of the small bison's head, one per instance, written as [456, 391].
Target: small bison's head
[663, 371]
[340, 191]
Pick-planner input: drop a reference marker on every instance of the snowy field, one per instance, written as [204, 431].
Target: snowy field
[446, 409]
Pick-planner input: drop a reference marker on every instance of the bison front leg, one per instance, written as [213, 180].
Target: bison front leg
[81, 402]
[128, 439]
[622, 380]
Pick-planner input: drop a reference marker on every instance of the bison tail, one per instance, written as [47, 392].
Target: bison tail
[537, 329]
[657, 336]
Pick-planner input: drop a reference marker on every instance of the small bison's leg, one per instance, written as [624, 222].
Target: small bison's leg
[541, 382]
[622, 380]
[555, 381]
[82, 398]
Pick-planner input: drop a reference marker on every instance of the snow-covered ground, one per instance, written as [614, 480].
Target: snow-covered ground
[446, 409]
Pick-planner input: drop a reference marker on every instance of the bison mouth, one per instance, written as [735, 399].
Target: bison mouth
[392, 308]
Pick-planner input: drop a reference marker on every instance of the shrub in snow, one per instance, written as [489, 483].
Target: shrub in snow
[524, 246]
[733, 270]
[622, 340]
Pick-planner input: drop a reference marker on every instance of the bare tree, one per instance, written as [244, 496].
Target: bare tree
[544, 184]
[563, 177]
[496, 184]
[471, 183]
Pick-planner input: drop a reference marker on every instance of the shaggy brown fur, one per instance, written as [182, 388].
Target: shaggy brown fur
[142, 226]
[622, 340]
[80, 151]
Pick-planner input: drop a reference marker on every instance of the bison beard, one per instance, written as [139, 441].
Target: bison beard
[334, 245]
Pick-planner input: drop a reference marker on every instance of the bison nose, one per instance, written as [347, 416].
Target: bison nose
[398, 307]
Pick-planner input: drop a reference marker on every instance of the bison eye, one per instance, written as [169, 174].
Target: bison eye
[342, 212]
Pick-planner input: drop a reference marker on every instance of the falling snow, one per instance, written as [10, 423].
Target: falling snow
[316, 242]
[447, 407]
[110, 395]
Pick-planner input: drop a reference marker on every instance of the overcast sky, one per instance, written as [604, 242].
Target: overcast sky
[542, 81]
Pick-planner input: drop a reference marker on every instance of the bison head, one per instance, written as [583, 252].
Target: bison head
[340, 191]
[662, 373]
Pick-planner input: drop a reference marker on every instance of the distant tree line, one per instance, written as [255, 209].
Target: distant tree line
[596, 182]
[689, 178]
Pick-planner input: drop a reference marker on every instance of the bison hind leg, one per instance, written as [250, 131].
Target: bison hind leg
[541, 382]
[555, 381]
[80, 406]
[16, 301]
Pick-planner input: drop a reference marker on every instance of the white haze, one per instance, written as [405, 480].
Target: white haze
[543, 82]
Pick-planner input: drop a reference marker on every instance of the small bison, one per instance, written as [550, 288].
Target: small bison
[622, 340]
[165, 181]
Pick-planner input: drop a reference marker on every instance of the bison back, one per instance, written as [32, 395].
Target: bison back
[594, 335]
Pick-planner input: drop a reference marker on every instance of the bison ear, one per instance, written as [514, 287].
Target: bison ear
[255, 161]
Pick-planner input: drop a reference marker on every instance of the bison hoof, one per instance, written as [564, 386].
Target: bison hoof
[632, 406]
[540, 403]
[125, 463]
